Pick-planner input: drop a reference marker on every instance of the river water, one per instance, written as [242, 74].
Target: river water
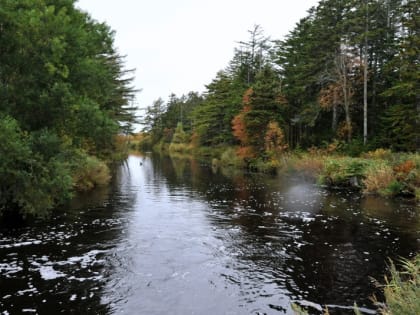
[176, 237]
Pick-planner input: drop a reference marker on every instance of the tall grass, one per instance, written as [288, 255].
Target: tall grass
[310, 165]
[402, 290]
[379, 177]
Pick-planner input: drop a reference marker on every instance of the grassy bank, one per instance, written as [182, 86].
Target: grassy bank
[380, 172]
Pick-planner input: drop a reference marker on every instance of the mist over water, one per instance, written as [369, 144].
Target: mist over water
[176, 237]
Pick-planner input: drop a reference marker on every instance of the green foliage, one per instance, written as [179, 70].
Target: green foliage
[394, 188]
[180, 136]
[89, 172]
[341, 171]
[30, 182]
[212, 118]
[400, 129]
[402, 290]
[264, 107]
[63, 90]
[353, 148]
[230, 158]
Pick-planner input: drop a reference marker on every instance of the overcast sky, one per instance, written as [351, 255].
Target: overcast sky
[177, 46]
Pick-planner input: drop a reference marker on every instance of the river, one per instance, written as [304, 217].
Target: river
[176, 237]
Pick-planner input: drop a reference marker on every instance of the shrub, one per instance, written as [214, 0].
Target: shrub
[179, 136]
[180, 148]
[90, 172]
[269, 166]
[230, 158]
[310, 166]
[31, 183]
[394, 188]
[179, 142]
[378, 154]
[407, 172]
[339, 171]
[405, 167]
[378, 178]
[274, 140]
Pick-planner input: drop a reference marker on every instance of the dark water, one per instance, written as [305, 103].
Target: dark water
[173, 237]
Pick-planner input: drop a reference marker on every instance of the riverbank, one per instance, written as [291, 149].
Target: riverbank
[380, 172]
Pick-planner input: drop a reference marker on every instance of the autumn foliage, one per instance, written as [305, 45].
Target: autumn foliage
[239, 126]
[274, 139]
[246, 99]
[330, 96]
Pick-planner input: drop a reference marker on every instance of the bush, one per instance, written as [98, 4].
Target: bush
[230, 158]
[89, 173]
[378, 154]
[179, 136]
[179, 142]
[310, 166]
[180, 148]
[341, 171]
[378, 178]
[31, 183]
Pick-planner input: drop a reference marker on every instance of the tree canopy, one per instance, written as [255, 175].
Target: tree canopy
[347, 72]
[64, 94]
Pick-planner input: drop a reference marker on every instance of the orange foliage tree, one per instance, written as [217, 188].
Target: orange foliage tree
[274, 139]
[239, 128]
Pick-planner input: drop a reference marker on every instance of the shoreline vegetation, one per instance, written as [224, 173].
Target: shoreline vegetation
[379, 172]
[64, 105]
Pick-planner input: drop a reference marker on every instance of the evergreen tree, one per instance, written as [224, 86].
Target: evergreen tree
[64, 94]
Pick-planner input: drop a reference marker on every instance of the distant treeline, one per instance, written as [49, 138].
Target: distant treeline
[63, 99]
[348, 72]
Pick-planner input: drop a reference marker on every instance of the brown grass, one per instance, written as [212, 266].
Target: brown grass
[310, 165]
[378, 177]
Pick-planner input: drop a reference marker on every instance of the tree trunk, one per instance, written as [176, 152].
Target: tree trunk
[418, 122]
[334, 117]
[365, 78]
[345, 95]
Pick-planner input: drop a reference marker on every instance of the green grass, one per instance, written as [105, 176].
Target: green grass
[402, 289]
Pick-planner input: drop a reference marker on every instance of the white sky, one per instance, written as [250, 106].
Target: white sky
[178, 46]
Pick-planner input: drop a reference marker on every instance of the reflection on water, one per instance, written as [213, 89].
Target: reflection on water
[175, 237]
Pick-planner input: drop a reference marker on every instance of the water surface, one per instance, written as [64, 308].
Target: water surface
[176, 237]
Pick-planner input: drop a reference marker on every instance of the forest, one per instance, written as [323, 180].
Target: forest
[344, 80]
[64, 97]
